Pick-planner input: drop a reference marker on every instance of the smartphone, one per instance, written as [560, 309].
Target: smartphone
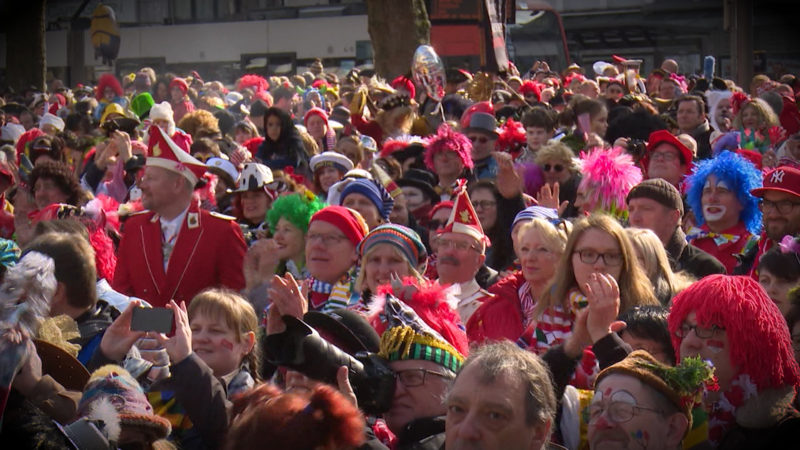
[159, 320]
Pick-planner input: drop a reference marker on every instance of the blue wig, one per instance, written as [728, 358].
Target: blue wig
[739, 174]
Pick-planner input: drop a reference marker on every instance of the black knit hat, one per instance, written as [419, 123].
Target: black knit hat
[660, 190]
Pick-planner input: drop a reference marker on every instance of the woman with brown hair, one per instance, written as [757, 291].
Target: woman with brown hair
[599, 260]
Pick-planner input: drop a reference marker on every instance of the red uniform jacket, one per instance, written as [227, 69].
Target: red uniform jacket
[209, 252]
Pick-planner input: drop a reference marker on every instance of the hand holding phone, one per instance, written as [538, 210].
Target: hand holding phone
[159, 320]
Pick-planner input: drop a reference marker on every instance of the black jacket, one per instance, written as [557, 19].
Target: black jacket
[684, 256]
[422, 434]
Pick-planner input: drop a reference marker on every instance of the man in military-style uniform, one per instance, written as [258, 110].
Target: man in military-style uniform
[175, 249]
[461, 253]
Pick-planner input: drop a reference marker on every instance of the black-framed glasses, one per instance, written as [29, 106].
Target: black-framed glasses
[554, 167]
[783, 206]
[701, 332]
[416, 377]
[617, 412]
[588, 256]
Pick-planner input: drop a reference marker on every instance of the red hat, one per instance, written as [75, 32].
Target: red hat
[664, 136]
[464, 220]
[164, 152]
[782, 179]
[180, 83]
[315, 112]
[618, 59]
[348, 221]
[403, 82]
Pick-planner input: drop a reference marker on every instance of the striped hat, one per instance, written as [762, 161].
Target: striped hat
[421, 326]
[404, 238]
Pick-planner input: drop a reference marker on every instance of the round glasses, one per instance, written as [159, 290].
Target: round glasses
[617, 412]
[701, 332]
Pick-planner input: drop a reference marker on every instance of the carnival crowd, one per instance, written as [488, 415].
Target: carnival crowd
[519, 261]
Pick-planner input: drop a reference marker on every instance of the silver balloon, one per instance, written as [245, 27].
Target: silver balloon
[428, 71]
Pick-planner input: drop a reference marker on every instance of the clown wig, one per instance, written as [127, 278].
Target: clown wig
[296, 208]
[608, 176]
[759, 341]
[741, 177]
[447, 139]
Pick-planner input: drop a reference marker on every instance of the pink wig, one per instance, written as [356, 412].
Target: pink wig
[608, 176]
[759, 341]
[447, 139]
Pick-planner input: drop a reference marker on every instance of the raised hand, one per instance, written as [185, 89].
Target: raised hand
[260, 262]
[179, 346]
[509, 182]
[119, 337]
[548, 198]
[286, 294]
[603, 297]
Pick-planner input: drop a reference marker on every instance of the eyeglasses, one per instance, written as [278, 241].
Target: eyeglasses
[484, 204]
[617, 412]
[416, 377]
[458, 245]
[783, 206]
[327, 239]
[591, 257]
[701, 332]
[665, 156]
[557, 167]
[480, 139]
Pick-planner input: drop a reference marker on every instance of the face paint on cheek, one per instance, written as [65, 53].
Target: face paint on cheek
[715, 346]
[641, 437]
[226, 344]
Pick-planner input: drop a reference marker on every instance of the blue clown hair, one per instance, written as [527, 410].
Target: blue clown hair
[739, 174]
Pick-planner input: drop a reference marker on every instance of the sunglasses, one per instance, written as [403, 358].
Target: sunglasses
[481, 139]
[549, 167]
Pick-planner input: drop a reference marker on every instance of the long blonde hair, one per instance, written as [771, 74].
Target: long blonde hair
[634, 287]
[666, 283]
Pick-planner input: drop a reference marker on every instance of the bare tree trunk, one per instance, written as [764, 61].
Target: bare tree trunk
[396, 28]
[26, 61]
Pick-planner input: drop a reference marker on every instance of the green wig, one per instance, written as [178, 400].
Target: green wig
[296, 208]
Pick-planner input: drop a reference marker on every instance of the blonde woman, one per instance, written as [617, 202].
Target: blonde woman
[559, 165]
[654, 261]
[388, 250]
[538, 244]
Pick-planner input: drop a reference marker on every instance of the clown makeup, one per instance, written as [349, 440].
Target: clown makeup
[721, 207]
[622, 414]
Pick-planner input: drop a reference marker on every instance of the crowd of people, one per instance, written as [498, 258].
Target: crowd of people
[537, 261]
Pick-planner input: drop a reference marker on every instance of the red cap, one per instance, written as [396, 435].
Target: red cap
[618, 59]
[348, 221]
[180, 83]
[782, 179]
[664, 136]
[315, 112]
